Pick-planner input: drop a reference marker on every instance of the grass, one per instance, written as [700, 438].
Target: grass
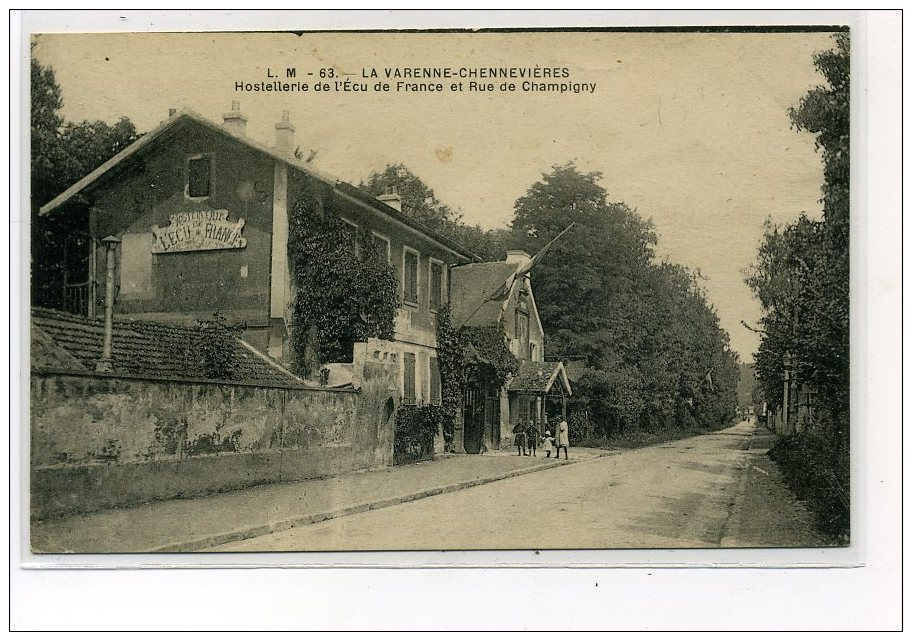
[818, 474]
[640, 439]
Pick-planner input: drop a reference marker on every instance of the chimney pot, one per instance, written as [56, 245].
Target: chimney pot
[285, 132]
[392, 198]
[235, 121]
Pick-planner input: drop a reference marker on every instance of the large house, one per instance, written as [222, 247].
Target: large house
[201, 211]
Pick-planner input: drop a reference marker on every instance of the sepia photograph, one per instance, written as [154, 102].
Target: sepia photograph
[451, 290]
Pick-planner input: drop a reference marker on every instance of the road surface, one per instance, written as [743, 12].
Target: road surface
[686, 493]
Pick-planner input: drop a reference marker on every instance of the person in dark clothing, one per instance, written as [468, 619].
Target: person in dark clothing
[532, 437]
[519, 439]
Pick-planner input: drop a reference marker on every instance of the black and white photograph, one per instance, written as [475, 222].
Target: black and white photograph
[486, 319]
[315, 291]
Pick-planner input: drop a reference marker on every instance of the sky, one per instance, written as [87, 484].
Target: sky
[690, 129]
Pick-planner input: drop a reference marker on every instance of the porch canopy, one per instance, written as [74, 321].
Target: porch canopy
[539, 378]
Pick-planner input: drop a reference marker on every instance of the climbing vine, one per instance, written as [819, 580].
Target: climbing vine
[345, 289]
[466, 356]
[415, 430]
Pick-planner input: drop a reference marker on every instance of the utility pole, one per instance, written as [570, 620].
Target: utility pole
[104, 365]
[786, 388]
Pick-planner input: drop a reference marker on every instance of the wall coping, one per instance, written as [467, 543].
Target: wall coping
[42, 372]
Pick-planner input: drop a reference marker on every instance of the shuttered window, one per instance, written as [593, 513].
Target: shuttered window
[436, 290]
[436, 395]
[410, 272]
[408, 379]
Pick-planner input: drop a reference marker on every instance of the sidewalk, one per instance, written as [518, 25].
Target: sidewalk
[197, 523]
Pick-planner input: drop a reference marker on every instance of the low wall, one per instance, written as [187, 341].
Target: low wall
[100, 441]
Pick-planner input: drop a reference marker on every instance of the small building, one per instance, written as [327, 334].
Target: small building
[499, 294]
[202, 213]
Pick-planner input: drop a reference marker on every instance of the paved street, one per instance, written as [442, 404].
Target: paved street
[688, 493]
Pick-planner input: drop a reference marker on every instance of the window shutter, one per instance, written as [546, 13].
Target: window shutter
[436, 395]
[436, 286]
[411, 277]
[408, 387]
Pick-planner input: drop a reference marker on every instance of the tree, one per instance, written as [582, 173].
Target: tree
[418, 199]
[801, 278]
[61, 154]
[642, 329]
[421, 203]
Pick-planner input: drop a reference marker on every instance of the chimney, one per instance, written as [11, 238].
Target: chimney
[235, 120]
[517, 256]
[391, 198]
[172, 112]
[285, 135]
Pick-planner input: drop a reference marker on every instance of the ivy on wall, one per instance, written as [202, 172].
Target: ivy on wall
[345, 291]
[469, 355]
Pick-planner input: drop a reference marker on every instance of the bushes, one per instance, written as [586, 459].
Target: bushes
[817, 471]
[415, 430]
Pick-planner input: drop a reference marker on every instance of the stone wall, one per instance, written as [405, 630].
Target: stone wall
[100, 441]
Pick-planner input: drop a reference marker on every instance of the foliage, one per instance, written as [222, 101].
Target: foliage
[213, 347]
[61, 154]
[418, 200]
[345, 290]
[452, 359]
[488, 354]
[421, 203]
[651, 354]
[817, 471]
[801, 278]
[468, 355]
[415, 430]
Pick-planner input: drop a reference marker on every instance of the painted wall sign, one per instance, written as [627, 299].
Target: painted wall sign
[198, 230]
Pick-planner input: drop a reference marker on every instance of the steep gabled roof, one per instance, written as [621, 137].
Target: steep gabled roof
[339, 186]
[65, 342]
[471, 288]
[539, 377]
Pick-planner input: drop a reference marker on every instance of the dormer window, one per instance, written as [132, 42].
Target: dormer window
[199, 177]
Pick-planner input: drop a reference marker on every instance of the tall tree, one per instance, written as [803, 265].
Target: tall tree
[418, 199]
[61, 154]
[421, 203]
[801, 278]
[648, 340]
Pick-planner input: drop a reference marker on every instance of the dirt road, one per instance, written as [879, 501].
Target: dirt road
[688, 493]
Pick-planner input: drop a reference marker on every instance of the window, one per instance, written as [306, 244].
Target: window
[199, 177]
[352, 231]
[382, 245]
[410, 273]
[436, 395]
[408, 379]
[436, 289]
[522, 334]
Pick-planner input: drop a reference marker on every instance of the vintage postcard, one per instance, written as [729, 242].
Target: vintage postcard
[451, 290]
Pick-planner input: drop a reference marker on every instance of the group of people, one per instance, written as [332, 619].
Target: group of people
[526, 438]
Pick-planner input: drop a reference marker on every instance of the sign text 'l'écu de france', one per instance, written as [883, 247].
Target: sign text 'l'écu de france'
[198, 230]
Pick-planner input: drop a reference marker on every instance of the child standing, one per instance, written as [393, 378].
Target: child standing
[532, 435]
[548, 444]
[519, 439]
